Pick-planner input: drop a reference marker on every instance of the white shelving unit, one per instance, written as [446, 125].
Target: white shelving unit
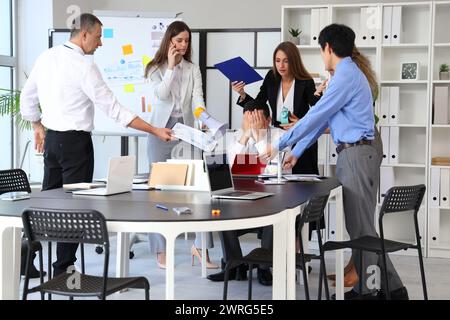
[422, 35]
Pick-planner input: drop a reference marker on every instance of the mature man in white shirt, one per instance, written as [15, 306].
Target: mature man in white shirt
[68, 86]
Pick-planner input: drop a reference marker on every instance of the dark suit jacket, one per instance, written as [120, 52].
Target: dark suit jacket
[304, 98]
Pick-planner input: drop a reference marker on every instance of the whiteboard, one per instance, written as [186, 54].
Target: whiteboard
[129, 43]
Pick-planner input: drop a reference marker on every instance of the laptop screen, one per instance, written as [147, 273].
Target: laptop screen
[219, 171]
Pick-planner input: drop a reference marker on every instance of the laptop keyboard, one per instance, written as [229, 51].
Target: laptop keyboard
[236, 193]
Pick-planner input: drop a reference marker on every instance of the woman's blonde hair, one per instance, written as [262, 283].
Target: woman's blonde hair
[365, 66]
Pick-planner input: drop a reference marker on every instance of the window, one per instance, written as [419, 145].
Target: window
[7, 65]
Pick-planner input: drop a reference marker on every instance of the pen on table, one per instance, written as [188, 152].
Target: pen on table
[159, 206]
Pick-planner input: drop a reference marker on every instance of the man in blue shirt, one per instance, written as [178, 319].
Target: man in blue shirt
[346, 108]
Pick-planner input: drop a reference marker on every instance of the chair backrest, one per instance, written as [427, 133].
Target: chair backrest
[400, 199]
[314, 209]
[14, 180]
[73, 226]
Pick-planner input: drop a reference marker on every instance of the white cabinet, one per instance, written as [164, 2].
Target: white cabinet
[390, 34]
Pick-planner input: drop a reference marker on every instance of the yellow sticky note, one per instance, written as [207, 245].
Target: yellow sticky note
[127, 49]
[149, 108]
[146, 60]
[129, 88]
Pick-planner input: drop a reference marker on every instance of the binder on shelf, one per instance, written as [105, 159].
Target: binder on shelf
[373, 24]
[394, 104]
[440, 105]
[315, 25]
[323, 19]
[445, 188]
[387, 181]
[394, 135]
[384, 105]
[435, 177]
[331, 221]
[384, 133]
[387, 21]
[396, 24]
[332, 157]
[434, 220]
[363, 34]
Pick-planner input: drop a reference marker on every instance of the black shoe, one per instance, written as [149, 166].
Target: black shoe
[399, 294]
[239, 273]
[33, 273]
[353, 295]
[265, 277]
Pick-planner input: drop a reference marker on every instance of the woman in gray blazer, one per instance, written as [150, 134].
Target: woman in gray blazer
[175, 86]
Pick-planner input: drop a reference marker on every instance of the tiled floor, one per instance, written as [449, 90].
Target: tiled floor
[190, 285]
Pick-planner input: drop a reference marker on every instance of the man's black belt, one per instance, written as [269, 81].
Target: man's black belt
[69, 132]
[343, 146]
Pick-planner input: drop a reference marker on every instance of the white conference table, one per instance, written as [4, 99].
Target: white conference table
[137, 212]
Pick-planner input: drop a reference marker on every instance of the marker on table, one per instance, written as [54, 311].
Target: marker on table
[159, 206]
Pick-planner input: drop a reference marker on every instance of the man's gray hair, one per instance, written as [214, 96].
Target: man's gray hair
[85, 21]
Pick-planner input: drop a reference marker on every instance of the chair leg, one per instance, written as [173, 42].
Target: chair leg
[49, 260]
[324, 276]
[422, 274]
[386, 279]
[147, 290]
[225, 280]
[27, 277]
[319, 295]
[82, 258]
[41, 272]
[305, 275]
[250, 281]
[361, 273]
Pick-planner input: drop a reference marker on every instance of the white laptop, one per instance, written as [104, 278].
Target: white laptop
[119, 180]
[221, 180]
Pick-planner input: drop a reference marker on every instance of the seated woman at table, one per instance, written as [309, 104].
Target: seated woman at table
[253, 138]
[175, 88]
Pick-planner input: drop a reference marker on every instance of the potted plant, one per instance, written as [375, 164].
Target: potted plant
[295, 35]
[10, 105]
[444, 73]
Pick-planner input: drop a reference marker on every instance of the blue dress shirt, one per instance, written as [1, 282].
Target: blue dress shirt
[345, 107]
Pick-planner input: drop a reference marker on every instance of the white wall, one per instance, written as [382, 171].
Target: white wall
[203, 13]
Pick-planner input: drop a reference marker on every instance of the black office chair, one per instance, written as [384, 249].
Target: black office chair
[16, 180]
[314, 211]
[74, 226]
[397, 199]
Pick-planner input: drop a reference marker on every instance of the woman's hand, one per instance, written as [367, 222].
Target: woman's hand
[292, 122]
[239, 88]
[321, 88]
[289, 162]
[173, 57]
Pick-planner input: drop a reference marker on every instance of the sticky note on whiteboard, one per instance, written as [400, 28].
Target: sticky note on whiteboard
[108, 33]
[146, 60]
[127, 49]
[129, 88]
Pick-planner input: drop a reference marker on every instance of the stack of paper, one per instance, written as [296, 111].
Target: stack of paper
[83, 186]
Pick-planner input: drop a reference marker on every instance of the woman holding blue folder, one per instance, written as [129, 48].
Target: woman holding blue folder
[175, 89]
[289, 89]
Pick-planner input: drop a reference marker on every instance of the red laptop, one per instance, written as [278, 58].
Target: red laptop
[247, 164]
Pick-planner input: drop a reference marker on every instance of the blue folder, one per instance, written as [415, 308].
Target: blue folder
[237, 69]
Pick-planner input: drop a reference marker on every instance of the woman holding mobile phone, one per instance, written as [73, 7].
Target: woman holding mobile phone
[175, 92]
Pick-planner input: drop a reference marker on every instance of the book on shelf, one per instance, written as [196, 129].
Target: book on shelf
[440, 161]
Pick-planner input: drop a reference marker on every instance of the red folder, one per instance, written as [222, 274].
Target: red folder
[247, 164]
